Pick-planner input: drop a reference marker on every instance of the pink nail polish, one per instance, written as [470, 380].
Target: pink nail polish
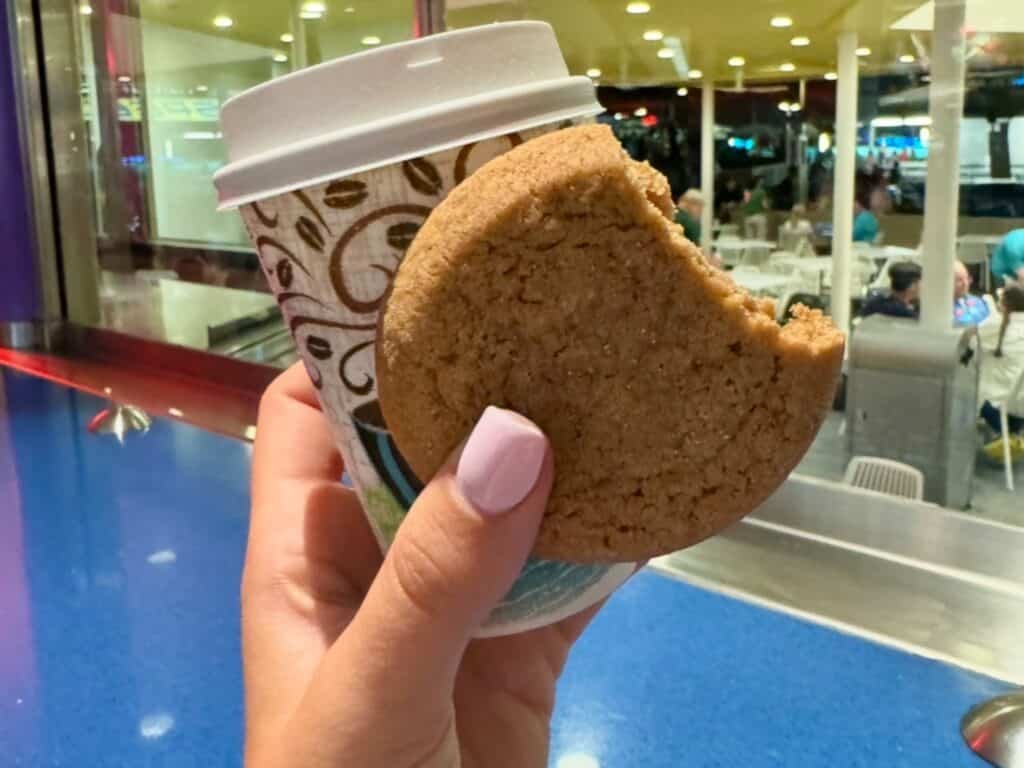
[501, 461]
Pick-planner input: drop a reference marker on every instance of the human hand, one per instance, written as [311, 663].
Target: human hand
[351, 659]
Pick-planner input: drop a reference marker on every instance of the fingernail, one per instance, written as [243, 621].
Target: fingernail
[500, 462]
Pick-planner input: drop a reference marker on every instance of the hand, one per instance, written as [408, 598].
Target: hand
[355, 660]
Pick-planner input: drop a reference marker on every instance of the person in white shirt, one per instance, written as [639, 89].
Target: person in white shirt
[1002, 362]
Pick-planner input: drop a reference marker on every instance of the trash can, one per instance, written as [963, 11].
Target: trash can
[912, 396]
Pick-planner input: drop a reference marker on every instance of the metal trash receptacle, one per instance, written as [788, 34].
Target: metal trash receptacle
[912, 396]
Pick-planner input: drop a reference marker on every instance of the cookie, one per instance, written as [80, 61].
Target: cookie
[553, 282]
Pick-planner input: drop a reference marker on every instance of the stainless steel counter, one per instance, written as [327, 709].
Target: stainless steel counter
[908, 574]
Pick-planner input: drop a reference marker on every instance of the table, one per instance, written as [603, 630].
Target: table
[760, 282]
[732, 249]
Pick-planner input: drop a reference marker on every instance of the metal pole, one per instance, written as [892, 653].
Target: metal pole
[801, 146]
[946, 98]
[845, 168]
[429, 17]
[707, 161]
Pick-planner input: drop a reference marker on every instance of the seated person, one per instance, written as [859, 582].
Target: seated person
[691, 206]
[901, 301]
[1002, 362]
[798, 223]
[1008, 260]
[967, 309]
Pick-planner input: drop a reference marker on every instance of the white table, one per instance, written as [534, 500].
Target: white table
[732, 249]
[886, 252]
[759, 283]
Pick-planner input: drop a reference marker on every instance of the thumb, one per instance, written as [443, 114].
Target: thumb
[457, 553]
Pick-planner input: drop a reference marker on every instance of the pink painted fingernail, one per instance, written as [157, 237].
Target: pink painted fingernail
[501, 461]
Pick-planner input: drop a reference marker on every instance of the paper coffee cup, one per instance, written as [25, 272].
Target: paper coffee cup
[334, 169]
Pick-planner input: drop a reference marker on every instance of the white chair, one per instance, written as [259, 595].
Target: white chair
[755, 256]
[729, 231]
[756, 227]
[1004, 428]
[893, 478]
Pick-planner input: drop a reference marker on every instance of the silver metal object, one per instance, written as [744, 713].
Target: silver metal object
[912, 397]
[21, 335]
[995, 730]
[118, 419]
[908, 574]
[430, 16]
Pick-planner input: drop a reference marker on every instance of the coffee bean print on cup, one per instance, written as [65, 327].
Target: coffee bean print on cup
[423, 176]
[344, 194]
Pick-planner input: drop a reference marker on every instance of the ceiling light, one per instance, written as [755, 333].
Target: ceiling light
[695, 74]
[781, 22]
[640, 111]
[280, 58]
[784, 106]
[800, 41]
[202, 88]
[787, 67]
[593, 72]
[371, 40]
[653, 35]
[665, 53]
[863, 51]
[907, 58]
[795, 106]
[124, 79]
[831, 76]
[638, 8]
[320, 8]
[619, 115]
[737, 61]
[682, 91]
[287, 37]
[350, 9]
[85, 9]
[223, 22]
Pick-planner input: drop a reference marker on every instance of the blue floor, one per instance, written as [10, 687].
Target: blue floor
[119, 571]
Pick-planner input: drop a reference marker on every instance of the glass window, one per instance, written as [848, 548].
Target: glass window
[153, 78]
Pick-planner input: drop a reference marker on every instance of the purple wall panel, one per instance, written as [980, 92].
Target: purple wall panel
[19, 285]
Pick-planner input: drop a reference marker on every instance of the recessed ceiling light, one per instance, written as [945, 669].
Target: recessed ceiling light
[638, 8]
[787, 67]
[695, 74]
[202, 88]
[665, 53]
[593, 72]
[907, 58]
[223, 22]
[682, 91]
[831, 76]
[863, 51]
[784, 106]
[85, 9]
[800, 41]
[371, 40]
[640, 111]
[795, 106]
[350, 9]
[653, 35]
[287, 37]
[280, 58]
[737, 61]
[320, 8]
[124, 79]
[781, 22]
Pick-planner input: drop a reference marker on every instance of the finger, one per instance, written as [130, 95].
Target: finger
[293, 439]
[457, 553]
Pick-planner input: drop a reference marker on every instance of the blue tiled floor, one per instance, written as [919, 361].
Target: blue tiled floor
[119, 576]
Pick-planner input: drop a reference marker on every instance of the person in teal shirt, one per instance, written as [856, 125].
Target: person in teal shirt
[1008, 260]
[865, 224]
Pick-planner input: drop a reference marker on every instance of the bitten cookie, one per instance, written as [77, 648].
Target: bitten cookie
[554, 283]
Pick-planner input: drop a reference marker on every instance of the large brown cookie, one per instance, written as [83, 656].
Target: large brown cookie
[553, 282]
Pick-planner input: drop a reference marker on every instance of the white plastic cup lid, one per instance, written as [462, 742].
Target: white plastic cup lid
[394, 103]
